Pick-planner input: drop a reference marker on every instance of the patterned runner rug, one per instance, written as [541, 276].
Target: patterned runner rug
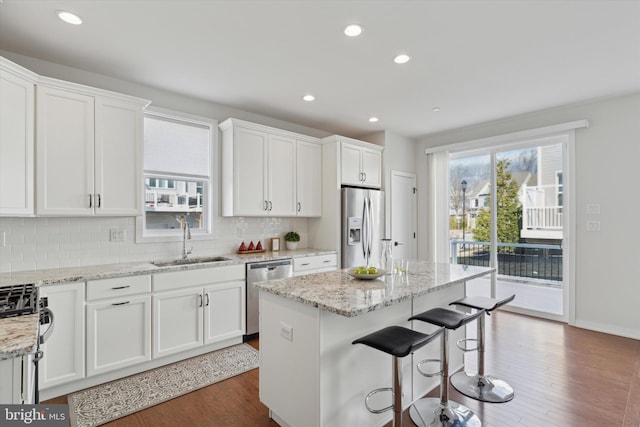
[106, 402]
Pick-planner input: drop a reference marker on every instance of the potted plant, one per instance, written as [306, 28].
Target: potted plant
[292, 238]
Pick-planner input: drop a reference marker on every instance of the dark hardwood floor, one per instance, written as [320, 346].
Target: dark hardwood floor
[562, 376]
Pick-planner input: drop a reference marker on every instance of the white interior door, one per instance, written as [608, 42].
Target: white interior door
[403, 215]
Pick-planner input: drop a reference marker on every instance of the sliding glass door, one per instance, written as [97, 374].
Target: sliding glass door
[506, 211]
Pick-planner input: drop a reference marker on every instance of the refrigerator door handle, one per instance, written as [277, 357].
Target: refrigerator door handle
[370, 233]
[363, 237]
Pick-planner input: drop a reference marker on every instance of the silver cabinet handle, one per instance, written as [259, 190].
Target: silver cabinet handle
[326, 261]
[266, 205]
[299, 206]
[305, 263]
[270, 206]
[121, 287]
[200, 301]
[121, 303]
[90, 200]
[207, 303]
[99, 200]
[365, 176]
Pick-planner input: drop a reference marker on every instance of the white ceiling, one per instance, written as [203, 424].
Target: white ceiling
[476, 60]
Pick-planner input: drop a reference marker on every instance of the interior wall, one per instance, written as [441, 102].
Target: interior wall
[606, 162]
[40, 243]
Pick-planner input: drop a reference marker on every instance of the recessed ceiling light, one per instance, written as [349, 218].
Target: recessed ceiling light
[308, 98]
[403, 58]
[353, 30]
[435, 109]
[373, 119]
[69, 17]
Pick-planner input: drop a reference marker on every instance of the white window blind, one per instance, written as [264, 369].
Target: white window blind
[175, 147]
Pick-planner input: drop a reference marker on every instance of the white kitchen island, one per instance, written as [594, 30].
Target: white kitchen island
[311, 374]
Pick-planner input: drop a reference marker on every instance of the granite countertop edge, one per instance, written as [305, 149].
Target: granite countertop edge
[296, 289]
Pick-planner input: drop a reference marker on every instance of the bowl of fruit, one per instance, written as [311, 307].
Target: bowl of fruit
[365, 273]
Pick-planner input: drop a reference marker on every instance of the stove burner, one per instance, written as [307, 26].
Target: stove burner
[16, 300]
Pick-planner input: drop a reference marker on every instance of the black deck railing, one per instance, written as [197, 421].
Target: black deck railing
[542, 262]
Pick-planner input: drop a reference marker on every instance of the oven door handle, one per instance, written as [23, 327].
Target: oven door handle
[46, 334]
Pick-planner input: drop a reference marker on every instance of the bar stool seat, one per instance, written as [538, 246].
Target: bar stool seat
[484, 388]
[434, 412]
[398, 342]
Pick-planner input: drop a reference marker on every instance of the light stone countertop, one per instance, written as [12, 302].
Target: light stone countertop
[105, 271]
[18, 335]
[338, 292]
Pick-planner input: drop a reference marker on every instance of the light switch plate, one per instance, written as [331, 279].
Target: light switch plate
[593, 209]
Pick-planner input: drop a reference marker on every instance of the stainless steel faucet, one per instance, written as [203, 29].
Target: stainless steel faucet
[186, 234]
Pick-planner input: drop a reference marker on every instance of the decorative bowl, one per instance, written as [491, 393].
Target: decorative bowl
[380, 273]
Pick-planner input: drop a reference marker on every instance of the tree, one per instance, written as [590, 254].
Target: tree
[509, 209]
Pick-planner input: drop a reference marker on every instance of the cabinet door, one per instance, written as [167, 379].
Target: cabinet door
[177, 319]
[309, 179]
[16, 145]
[64, 152]
[282, 176]
[250, 171]
[118, 333]
[224, 311]
[371, 167]
[117, 158]
[350, 167]
[63, 359]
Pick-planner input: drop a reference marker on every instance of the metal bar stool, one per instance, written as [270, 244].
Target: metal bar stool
[398, 342]
[435, 412]
[485, 388]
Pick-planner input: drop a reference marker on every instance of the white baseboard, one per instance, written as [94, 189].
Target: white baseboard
[608, 329]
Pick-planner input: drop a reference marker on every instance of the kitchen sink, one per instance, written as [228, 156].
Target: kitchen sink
[190, 261]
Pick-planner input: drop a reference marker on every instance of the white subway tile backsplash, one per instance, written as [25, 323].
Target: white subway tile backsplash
[41, 243]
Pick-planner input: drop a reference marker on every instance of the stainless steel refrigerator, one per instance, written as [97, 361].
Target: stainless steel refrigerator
[362, 227]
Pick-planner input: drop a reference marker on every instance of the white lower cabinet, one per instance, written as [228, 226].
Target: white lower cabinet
[199, 307]
[118, 323]
[118, 333]
[314, 264]
[63, 359]
[177, 321]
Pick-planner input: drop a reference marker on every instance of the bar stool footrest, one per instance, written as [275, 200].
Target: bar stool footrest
[373, 393]
[462, 344]
[429, 374]
[485, 389]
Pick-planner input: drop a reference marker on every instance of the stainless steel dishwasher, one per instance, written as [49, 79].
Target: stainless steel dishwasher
[261, 272]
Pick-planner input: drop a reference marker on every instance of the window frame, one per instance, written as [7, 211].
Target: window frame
[210, 205]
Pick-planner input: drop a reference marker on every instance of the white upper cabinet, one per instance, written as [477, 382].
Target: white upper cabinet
[361, 163]
[261, 172]
[309, 179]
[16, 139]
[88, 145]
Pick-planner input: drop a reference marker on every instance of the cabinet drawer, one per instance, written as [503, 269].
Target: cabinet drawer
[117, 287]
[315, 262]
[197, 277]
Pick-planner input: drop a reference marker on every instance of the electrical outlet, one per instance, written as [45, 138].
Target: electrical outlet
[117, 234]
[286, 331]
[593, 225]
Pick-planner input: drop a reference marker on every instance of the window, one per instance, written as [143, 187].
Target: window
[179, 152]
[559, 190]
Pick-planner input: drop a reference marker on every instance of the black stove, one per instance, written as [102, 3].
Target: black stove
[18, 300]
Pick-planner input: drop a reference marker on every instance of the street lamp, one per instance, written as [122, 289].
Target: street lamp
[463, 185]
